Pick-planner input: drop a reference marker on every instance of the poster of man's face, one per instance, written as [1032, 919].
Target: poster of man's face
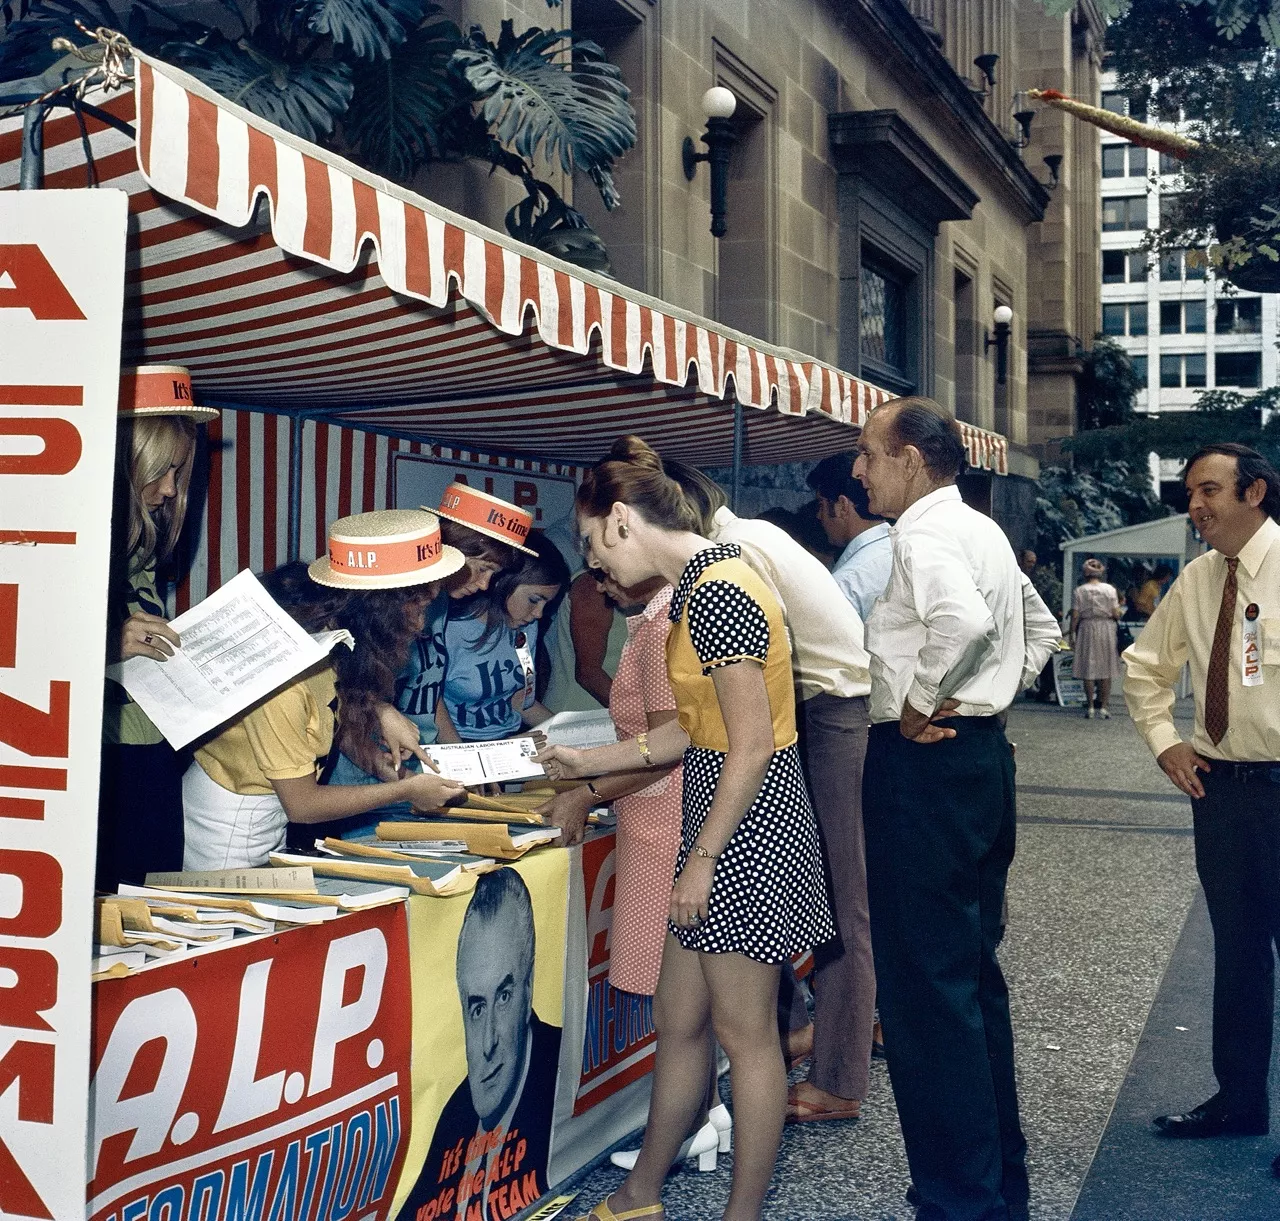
[495, 986]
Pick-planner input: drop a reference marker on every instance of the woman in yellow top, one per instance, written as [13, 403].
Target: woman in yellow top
[262, 771]
[140, 797]
[749, 890]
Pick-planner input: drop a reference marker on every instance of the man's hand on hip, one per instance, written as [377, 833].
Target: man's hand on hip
[922, 728]
[1180, 763]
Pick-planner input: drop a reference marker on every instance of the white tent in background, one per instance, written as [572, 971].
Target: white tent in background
[1167, 540]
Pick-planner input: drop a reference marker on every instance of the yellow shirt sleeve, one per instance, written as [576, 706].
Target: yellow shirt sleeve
[1152, 666]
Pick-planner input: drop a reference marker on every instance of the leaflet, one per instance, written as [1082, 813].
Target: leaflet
[593, 727]
[486, 762]
[238, 646]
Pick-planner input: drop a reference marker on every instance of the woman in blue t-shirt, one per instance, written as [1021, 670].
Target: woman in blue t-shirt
[491, 646]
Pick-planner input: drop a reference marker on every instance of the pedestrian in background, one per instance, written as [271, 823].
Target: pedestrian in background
[949, 651]
[1222, 618]
[1095, 610]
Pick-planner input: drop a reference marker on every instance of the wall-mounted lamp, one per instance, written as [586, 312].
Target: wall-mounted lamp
[1023, 113]
[986, 64]
[1002, 317]
[718, 103]
[1054, 162]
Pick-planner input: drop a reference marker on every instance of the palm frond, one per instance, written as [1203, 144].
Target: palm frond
[404, 106]
[370, 28]
[304, 98]
[536, 99]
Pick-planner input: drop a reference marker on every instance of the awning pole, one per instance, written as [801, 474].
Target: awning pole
[739, 428]
[296, 425]
[31, 174]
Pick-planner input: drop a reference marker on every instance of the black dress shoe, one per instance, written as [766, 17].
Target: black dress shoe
[1211, 1119]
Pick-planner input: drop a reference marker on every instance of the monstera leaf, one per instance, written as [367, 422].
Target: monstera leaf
[371, 28]
[405, 107]
[576, 113]
[302, 97]
[543, 220]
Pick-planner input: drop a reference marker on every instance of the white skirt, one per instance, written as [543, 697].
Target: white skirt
[226, 830]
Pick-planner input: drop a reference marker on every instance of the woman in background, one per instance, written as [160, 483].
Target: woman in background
[1095, 608]
[261, 771]
[491, 640]
[140, 802]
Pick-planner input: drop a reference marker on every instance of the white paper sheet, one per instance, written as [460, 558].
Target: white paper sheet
[486, 762]
[238, 646]
[581, 729]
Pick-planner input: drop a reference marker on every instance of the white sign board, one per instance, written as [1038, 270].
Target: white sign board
[61, 299]
[420, 481]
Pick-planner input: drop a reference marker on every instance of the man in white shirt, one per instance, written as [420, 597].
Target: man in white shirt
[832, 683]
[949, 651]
[1222, 617]
[862, 570]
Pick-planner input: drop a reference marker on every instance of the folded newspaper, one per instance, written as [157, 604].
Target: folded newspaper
[238, 646]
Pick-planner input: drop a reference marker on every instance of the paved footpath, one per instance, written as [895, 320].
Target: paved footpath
[1098, 895]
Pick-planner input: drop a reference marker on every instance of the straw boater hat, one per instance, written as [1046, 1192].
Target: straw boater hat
[385, 549]
[160, 390]
[487, 514]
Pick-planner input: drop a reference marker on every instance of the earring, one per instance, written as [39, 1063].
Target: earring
[623, 530]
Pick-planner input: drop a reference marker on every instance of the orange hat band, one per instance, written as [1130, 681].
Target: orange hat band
[487, 513]
[156, 388]
[371, 558]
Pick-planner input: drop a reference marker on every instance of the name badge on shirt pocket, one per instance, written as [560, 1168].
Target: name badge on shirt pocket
[1251, 650]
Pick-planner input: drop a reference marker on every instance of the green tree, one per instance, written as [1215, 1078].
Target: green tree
[393, 84]
[1107, 387]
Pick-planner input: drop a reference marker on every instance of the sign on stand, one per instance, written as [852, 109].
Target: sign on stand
[61, 299]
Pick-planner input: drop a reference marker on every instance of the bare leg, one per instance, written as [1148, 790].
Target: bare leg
[682, 1015]
[1104, 692]
[744, 996]
[1088, 692]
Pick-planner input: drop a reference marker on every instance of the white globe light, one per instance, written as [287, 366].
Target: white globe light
[1003, 315]
[719, 102]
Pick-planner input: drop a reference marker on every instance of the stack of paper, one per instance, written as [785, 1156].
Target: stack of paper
[370, 846]
[421, 877]
[506, 807]
[581, 729]
[500, 840]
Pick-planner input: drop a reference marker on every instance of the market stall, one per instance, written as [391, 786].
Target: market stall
[364, 344]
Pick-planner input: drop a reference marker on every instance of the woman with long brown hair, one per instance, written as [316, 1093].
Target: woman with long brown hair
[140, 801]
[748, 890]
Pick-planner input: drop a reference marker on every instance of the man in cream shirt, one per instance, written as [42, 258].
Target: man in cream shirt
[832, 683]
[1222, 616]
[958, 632]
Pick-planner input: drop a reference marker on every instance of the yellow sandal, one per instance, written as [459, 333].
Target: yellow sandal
[602, 1212]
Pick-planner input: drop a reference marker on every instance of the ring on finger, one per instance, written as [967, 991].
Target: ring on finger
[146, 639]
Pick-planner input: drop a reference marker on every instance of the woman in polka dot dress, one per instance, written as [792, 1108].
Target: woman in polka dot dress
[749, 889]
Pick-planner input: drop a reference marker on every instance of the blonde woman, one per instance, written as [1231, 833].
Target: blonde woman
[140, 803]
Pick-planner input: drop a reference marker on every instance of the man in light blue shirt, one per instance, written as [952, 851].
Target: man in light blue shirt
[862, 571]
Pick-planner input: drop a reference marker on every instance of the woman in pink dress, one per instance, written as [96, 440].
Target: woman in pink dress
[1094, 610]
[648, 813]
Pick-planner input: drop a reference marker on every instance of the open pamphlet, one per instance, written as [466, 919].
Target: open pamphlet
[486, 762]
[502, 841]
[238, 646]
[583, 730]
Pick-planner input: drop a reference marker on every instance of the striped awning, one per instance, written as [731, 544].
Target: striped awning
[292, 281]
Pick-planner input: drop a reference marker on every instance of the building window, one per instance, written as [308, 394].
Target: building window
[1180, 265]
[1179, 371]
[1169, 208]
[1239, 369]
[1114, 318]
[1124, 266]
[1171, 265]
[1139, 364]
[1193, 264]
[1193, 317]
[1138, 266]
[1123, 212]
[1120, 103]
[1239, 317]
[1170, 317]
[1170, 165]
[884, 323]
[1124, 161]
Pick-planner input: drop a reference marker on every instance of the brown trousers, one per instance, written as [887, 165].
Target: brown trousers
[833, 741]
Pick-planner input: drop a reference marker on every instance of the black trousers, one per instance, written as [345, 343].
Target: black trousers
[1237, 828]
[940, 833]
[139, 812]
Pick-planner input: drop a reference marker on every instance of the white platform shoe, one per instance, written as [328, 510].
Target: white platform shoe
[706, 1144]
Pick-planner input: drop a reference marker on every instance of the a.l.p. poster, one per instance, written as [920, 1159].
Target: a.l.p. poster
[61, 300]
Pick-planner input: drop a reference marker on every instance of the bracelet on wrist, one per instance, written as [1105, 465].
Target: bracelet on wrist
[642, 743]
[705, 853]
[595, 792]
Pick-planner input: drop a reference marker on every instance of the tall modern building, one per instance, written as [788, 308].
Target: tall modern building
[1185, 329]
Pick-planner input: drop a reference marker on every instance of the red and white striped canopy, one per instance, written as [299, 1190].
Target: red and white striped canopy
[292, 281]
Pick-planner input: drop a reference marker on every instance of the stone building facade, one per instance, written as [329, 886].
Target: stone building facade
[878, 209]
